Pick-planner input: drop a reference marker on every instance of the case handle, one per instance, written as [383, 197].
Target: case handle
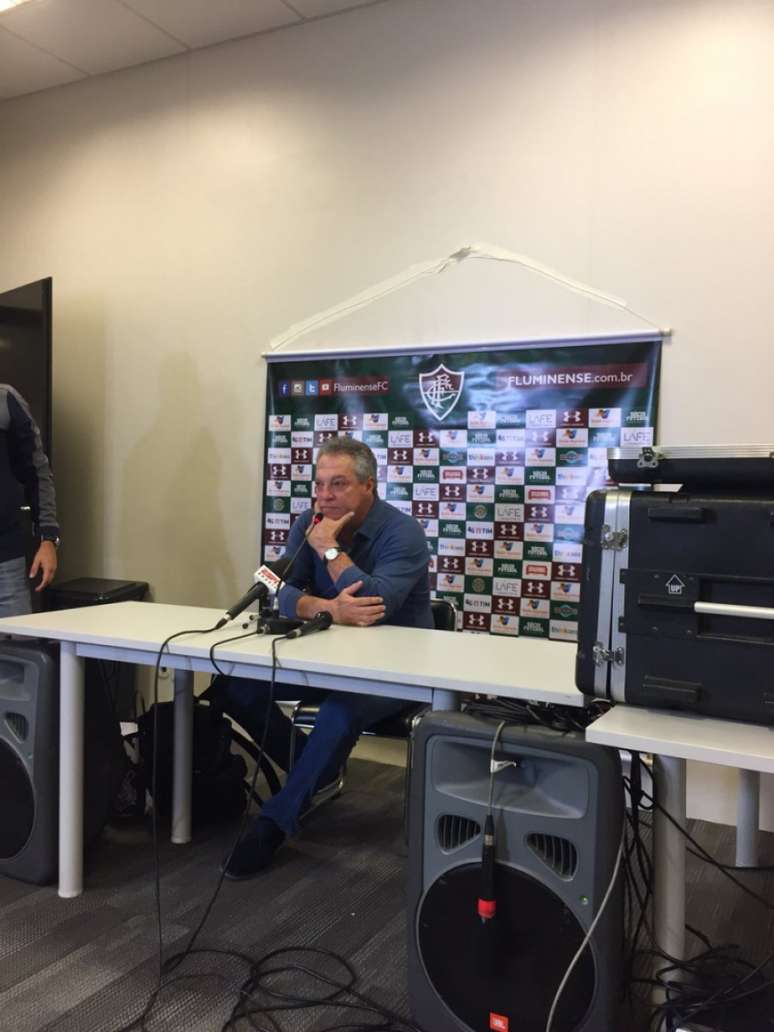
[677, 513]
[726, 609]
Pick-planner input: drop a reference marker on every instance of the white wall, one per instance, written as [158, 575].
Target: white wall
[191, 209]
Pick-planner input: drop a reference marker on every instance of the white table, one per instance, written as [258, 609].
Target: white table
[398, 662]
[673, 738]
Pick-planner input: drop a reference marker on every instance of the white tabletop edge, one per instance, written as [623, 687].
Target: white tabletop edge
[728, 743]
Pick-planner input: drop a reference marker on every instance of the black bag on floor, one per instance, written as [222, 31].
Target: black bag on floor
[219, 790]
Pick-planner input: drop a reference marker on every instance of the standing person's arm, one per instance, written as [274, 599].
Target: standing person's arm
[31, 468]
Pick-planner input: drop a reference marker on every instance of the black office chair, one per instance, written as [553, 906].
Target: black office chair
[399, 725]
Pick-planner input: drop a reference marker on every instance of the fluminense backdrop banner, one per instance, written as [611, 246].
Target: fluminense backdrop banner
[492, 449]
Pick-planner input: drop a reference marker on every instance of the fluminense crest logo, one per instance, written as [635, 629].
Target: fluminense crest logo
[441, 390]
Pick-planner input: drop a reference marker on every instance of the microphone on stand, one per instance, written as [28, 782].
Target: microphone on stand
[271, 621]
[258, 591]
[320, 622]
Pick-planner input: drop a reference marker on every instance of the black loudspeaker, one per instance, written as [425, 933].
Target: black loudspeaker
[29, 761]
[558, 808]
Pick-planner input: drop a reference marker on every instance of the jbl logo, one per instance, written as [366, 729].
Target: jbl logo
[498, 1022]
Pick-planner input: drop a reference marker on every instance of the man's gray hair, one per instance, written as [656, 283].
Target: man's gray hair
[363, 459]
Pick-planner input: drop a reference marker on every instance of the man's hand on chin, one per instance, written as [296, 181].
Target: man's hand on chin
[363, 611]
[325, 534]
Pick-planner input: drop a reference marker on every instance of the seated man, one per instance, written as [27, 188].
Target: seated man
[365, 562]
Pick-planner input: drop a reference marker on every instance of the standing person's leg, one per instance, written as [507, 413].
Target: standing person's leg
[14, 588]
[339, 723]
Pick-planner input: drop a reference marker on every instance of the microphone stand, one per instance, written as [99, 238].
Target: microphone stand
[269, 620]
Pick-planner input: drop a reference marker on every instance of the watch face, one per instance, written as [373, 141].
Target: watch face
[331, 553]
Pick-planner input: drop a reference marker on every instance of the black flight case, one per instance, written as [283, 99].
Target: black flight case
[677, 602]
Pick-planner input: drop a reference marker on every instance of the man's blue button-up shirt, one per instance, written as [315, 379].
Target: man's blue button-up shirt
[389, 554]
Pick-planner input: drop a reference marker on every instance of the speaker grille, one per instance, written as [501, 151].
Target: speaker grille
[454, 831]
[557, 853]
[17, 725]
[18, 803]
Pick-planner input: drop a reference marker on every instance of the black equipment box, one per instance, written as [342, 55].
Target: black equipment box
[677, 602]
[717, 467]
[95, 591]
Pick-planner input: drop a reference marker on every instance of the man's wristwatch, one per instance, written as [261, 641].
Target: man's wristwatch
[54, 539]
[332, 553]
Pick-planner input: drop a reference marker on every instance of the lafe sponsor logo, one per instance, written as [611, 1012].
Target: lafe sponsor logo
[401, 439]
[541, 417]
[636, 436]
[506, 586]
[326, 421]
[426, 492]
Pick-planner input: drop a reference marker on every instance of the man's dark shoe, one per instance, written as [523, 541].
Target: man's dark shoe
[255, 852]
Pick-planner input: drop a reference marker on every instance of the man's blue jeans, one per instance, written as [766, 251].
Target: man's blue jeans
[14, 588]
[320, 756]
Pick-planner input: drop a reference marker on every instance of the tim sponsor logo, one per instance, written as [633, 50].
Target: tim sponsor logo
[479, 530]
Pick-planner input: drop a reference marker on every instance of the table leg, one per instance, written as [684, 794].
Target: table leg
[183, 757]
[443, 700]
[747, 818]
[669, 852]
[71, 706]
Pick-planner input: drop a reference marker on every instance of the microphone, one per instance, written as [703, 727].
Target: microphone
[320, 622]
[316, 518]
[272, 622]
[268, 578]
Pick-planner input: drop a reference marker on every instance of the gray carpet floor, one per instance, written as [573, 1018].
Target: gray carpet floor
[90, 964]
